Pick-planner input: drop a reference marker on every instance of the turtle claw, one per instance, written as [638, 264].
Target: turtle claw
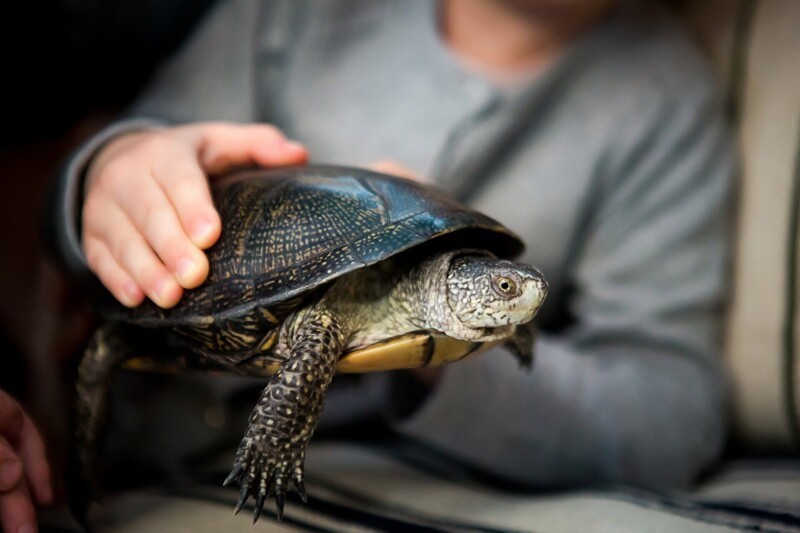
[280, 498]
[235, 475]
[260, 470]
[243, 494]
[259, 506]
[300, 487]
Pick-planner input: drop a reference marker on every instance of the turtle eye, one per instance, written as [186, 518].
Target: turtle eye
[505, 286]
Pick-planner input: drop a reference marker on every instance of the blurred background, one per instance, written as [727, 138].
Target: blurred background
[70, 68]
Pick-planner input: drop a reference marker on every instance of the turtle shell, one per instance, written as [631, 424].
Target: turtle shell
[289, 231]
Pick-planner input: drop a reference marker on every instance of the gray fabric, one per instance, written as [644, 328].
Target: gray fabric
[371, 480]
[772, 485]
[613, 164]
[358, 488]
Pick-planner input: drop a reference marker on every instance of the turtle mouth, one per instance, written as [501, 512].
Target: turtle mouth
[540, 286]
[534, 295]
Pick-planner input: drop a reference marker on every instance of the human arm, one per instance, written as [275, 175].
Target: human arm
[24, 472]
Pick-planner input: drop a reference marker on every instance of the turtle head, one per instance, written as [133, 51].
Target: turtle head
[486, 292]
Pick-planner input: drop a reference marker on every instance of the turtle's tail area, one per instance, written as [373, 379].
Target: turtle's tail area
[80, 491]
[102, 356]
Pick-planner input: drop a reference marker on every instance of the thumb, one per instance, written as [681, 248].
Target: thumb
[222, 146]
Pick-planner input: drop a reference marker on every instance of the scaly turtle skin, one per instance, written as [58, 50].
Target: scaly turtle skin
[318, 267]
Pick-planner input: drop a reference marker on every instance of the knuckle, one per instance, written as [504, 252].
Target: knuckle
[186, 186]
[154, 222]
[185, 192]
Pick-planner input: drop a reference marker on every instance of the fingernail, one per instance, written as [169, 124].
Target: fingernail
[10, 472]
[185, 268]
[202, 230]
[133, 292]
[27, 528]
[164, 290]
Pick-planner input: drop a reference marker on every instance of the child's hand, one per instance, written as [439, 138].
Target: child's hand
[147, 212]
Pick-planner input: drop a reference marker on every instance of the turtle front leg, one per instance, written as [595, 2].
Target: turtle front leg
[271, 455]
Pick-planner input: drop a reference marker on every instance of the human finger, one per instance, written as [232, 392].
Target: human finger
[222, 146]
[16, 508]
[11, 470]
[158, 223]
[111, 274]
[23, 443]
[31, 450]
[11, 417]
[132, 252]
[185, 185]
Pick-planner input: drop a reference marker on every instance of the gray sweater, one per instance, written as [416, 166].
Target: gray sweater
[613, 164]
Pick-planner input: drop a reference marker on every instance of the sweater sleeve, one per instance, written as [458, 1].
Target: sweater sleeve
[632, 391]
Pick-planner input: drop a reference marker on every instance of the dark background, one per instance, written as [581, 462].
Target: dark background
[69, 68]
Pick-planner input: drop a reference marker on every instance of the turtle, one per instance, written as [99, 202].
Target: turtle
[320, 267]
